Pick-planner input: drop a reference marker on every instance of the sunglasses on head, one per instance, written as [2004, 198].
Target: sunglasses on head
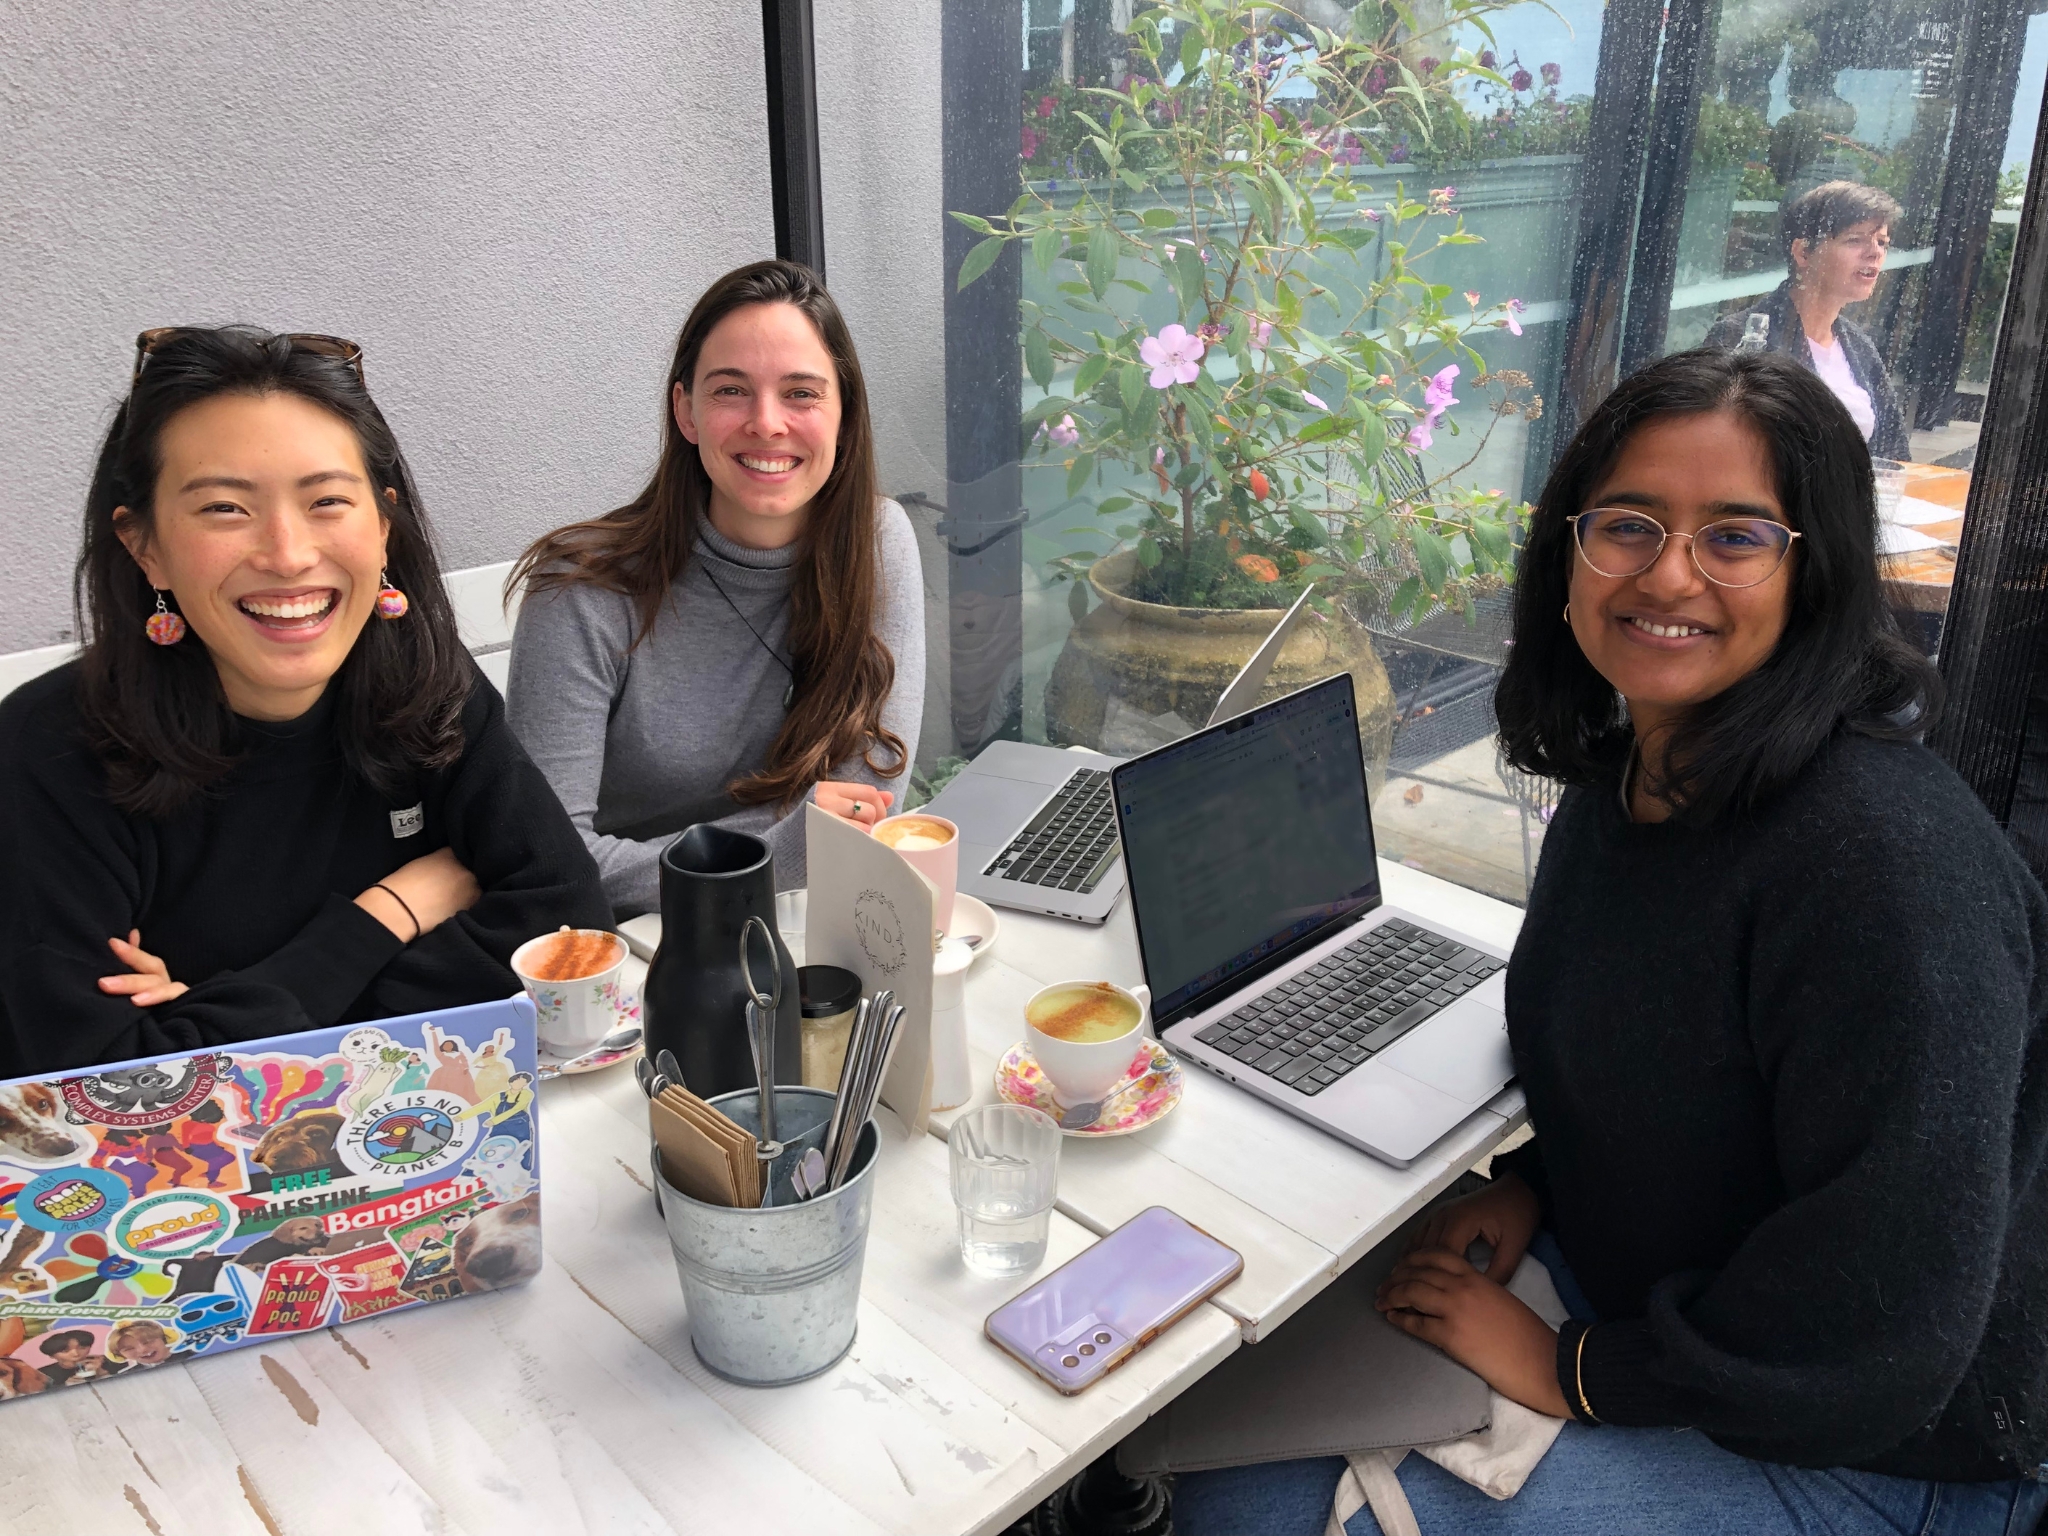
[152, 340]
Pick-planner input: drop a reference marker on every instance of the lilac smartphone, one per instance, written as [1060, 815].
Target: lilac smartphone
[1106, 1303]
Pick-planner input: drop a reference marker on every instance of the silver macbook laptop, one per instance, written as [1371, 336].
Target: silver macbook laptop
[1036, 828]
[1271, 958]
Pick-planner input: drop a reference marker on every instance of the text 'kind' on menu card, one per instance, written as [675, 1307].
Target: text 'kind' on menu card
[871, 913]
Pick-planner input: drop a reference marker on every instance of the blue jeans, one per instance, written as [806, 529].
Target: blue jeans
[1615, 1482]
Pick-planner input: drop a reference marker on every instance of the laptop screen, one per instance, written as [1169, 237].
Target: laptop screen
[1243, 839]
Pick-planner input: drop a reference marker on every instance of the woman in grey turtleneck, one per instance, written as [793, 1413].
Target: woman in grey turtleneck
[748, 632]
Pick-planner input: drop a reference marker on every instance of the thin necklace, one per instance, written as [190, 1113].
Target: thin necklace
[789, 693]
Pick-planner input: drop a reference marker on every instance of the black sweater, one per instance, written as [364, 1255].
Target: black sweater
[1790, 1084]
[248, 893]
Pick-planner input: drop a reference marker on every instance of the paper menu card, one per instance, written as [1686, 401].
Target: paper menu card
[871, 913]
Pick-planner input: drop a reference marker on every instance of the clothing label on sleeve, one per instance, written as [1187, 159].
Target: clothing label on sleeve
[410, 820]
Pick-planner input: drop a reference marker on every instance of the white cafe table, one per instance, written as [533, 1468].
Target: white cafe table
[574, 1403]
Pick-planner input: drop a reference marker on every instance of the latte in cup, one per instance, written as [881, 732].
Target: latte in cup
[1084, 1012]
[571, 955]
[913, 834]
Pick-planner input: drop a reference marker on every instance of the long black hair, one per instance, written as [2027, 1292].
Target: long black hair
[1840, 664]
[157, 715]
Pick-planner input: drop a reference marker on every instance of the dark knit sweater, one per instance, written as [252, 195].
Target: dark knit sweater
[248, 893]
[1789, 1078]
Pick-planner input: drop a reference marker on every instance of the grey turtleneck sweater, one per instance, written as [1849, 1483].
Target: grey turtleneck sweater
[640, 744]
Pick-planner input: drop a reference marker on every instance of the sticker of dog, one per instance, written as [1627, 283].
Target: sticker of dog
[500, 1247]
[18, 1277]
[32, 1128]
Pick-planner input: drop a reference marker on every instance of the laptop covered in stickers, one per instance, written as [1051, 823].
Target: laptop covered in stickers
[178, 1206]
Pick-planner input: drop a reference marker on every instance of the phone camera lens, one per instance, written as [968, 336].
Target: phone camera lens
[1087, 1349]
[1070, 1361]
[1102, 1338]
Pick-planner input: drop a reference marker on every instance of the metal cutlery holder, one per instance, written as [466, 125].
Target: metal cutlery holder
[773, 1295]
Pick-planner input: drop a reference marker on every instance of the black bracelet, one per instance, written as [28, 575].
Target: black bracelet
[416, 929]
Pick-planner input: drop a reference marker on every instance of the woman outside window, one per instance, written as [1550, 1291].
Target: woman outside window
[1835, 239]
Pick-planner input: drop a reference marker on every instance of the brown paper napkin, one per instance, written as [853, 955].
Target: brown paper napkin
[704, 1154]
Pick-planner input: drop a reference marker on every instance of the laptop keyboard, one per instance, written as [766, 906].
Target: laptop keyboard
[1322, 1022]
[1070, 844]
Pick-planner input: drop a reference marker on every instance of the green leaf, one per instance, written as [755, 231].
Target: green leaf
[1130, 383]
[976, 223]
[1101, 259]
[1187, 265]
[1311, 525]
[1433, 554]
[1406, 596]
[1038, 358]
[1190, 53]
[1078, 475]
[1091, 373]
[1077, 601]
[1148, 552]
[1051, 405]
[1372, 434]
[1045, 248]
[1327, 426]
[1109, 505]
[1131, 179]
[1316, 570]
[980, 259]
[1159, 218]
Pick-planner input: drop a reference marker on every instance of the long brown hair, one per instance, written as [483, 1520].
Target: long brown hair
[843, 670]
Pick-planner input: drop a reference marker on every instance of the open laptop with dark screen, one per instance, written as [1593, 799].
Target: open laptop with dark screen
[1273, 961]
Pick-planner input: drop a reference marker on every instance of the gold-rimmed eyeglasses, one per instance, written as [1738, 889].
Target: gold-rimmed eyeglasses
[1729, 552]
[336, 347]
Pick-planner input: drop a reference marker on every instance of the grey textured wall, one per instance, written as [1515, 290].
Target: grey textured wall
[511, 204]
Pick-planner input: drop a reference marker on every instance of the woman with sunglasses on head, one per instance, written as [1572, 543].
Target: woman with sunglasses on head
[1778, 1006]
[748, 632]
[273, 793]
[1835, 238]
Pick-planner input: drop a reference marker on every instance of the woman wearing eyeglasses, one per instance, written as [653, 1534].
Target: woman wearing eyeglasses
[273, 793]
[1835, 239]
[1778, 1005]
[747, 633]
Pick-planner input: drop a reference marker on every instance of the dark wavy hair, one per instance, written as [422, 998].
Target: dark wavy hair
[1841, 664]
[843, 670]
[157, 715]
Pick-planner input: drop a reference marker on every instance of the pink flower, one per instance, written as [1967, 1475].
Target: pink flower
[1514, 308]
[1521, 80]
[1261, 334]
[1173, 355]
[1552, 73]
[1046, 106]
[1066, 434]
[1314, 400]
[1488, 59]
[1436, 399]
[1428, 66]
[1372, 215]
[1440, 199]
[1029, 142]
[1158, 457]
[1210, 332]
[1471, 298]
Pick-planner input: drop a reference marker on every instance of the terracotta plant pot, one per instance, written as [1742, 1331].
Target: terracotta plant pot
[1136, 674]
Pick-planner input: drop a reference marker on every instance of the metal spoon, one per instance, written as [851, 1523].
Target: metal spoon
[615, 1043]
[1079, 1117]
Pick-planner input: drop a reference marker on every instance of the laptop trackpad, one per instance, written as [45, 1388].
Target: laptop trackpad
[1462, 1052]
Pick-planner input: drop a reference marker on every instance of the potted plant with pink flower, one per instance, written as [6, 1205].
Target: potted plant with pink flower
[1289, 423]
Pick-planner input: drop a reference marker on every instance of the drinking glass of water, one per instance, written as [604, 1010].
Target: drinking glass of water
[1006, 1168]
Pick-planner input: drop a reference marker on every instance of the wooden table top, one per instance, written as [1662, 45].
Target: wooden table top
[1921, 578]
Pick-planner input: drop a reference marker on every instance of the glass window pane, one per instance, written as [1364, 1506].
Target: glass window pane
[1853, 197]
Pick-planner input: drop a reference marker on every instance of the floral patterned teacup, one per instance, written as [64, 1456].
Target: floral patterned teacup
[572, 1012]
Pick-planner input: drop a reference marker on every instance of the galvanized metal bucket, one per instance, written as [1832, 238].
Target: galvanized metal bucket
[773, 1295]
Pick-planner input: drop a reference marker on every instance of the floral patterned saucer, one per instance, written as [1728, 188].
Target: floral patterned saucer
[1020, 1080]
[626, 1008]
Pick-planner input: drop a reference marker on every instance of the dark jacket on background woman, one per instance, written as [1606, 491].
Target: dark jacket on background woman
[1888, 439]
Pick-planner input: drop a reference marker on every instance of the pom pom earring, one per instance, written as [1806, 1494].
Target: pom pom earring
[164, 627]
[391, 603]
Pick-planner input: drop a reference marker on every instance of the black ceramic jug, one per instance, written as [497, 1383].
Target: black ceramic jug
[712, 880]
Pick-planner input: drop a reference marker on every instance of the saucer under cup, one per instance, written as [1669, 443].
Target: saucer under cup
[1084, 1071]
[572, 1016]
